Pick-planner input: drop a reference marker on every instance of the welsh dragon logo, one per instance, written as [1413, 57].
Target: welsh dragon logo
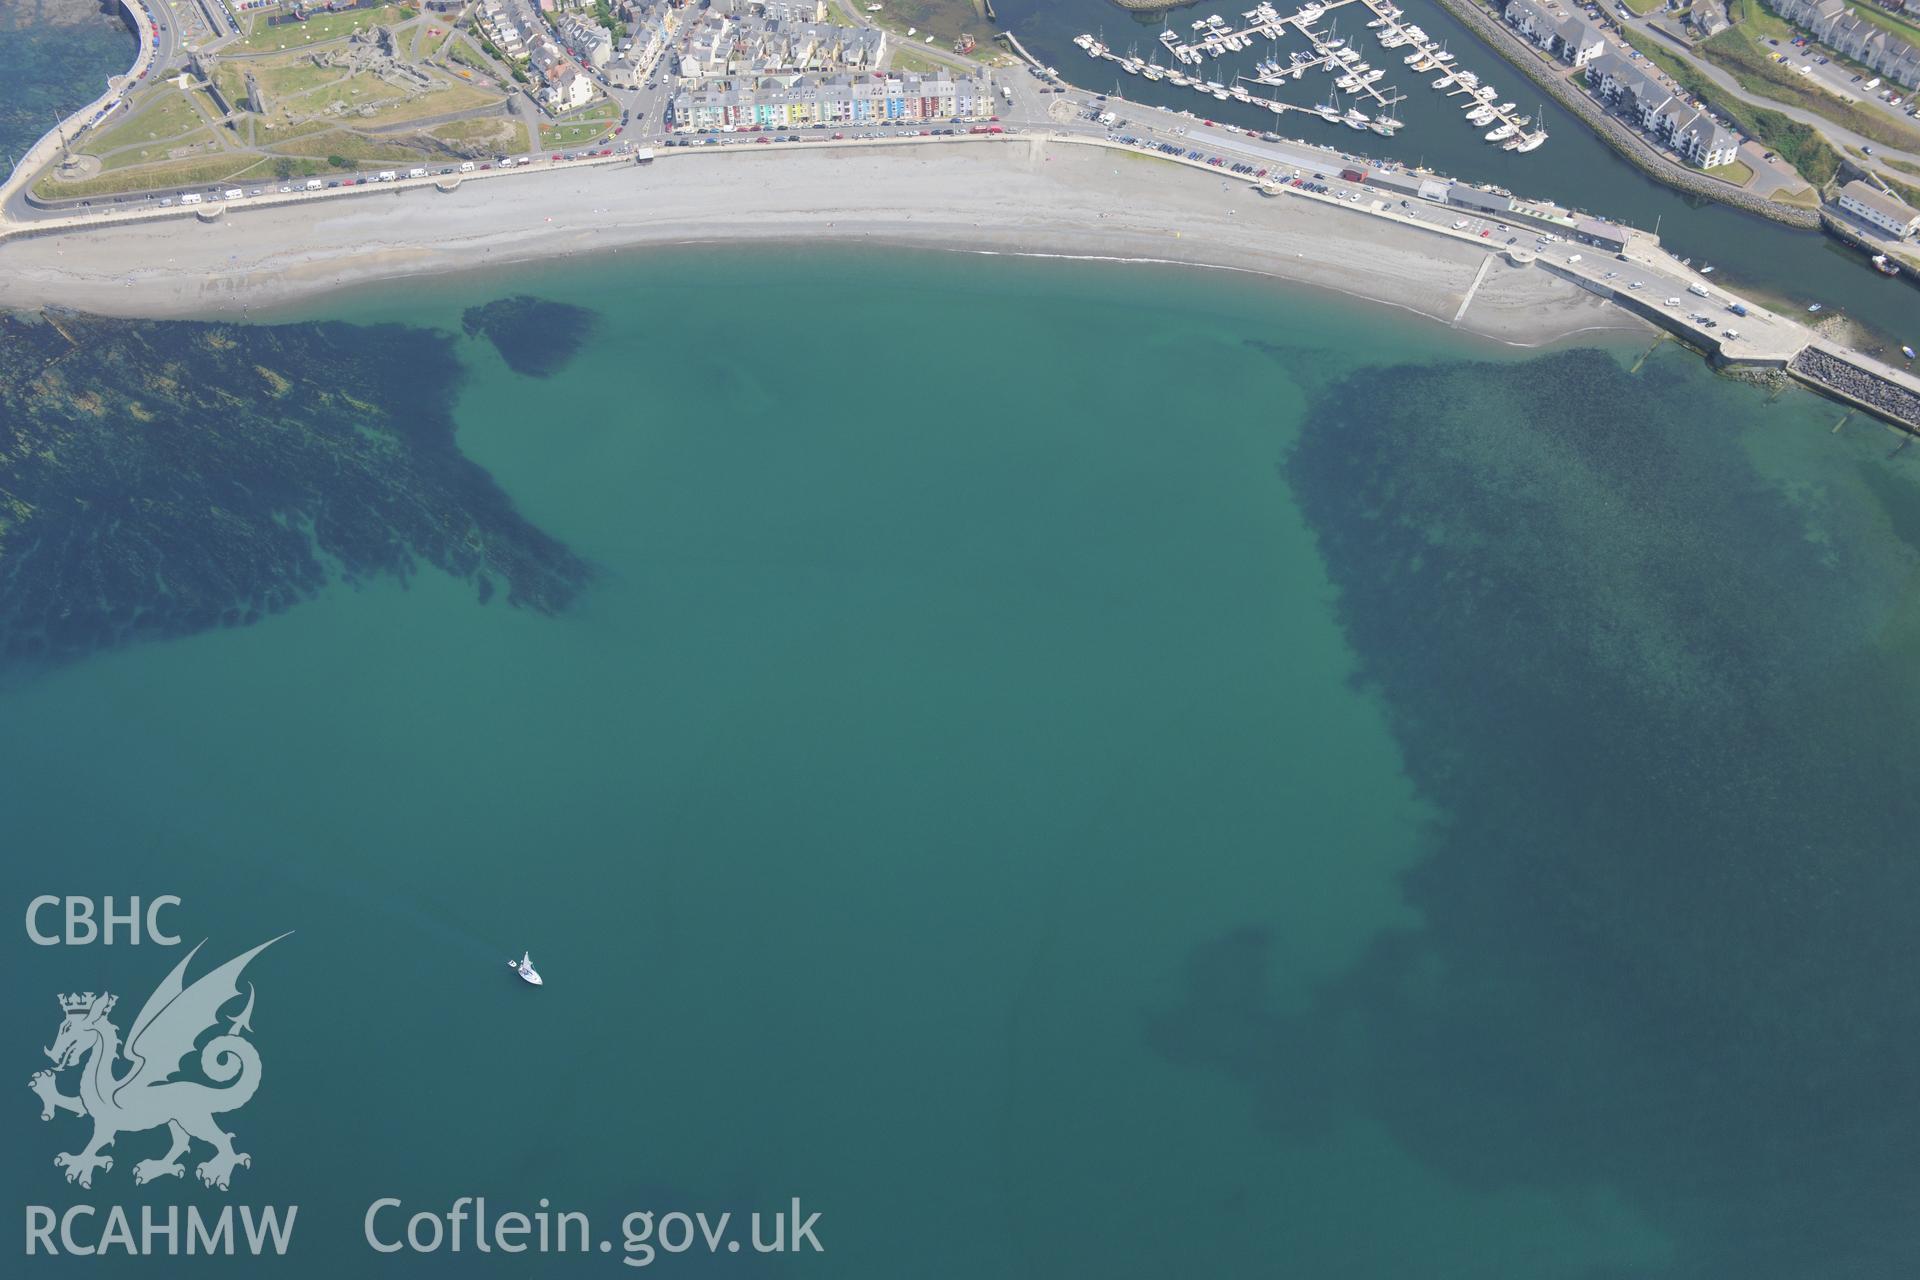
[146, 1095]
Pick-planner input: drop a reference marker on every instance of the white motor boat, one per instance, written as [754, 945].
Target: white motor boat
[524, 967]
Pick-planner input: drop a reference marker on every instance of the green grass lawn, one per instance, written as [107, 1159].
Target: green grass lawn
[166, 114]
[1910, 194]
[352, 92]
[232, 83]
[264, 38]
[154, 153]
[1760, 21]
[1738, 172]
[181, 173]
[355, 148]
[273, 133]
[586, 125]
[1644, 7]
[903, 58]
[462, 51]
[497, 136]
[295, 77]
[568, 135]
[443, 100]
[282, 168]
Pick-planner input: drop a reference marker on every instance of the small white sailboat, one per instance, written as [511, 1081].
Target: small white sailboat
[524, 967]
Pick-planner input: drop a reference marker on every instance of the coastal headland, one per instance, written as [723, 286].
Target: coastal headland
[1031, 196]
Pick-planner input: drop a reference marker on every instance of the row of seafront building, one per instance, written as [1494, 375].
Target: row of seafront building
[1834, 24]
[789, 101]
[1640, 96]
[1616, 81]
[785, 35]
[517, 28]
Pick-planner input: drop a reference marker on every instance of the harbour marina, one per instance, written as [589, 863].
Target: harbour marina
[1371, 105]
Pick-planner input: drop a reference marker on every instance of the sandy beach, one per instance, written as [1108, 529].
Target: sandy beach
[1031, 196]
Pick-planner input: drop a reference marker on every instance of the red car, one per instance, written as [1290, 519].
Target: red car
[556, 155]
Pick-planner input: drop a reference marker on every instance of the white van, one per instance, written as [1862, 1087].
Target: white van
[416, 173]
[388, 175]
[466, 166]
[233, 193]
[191, 197]
[314, 184]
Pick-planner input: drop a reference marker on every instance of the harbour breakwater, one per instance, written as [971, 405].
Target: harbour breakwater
[1832, 372]
[1630, 145]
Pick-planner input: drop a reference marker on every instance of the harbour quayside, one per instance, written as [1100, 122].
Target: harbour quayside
[1372, 106]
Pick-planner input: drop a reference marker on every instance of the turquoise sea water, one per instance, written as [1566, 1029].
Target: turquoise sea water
[55, 57]
[1067, 770]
